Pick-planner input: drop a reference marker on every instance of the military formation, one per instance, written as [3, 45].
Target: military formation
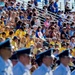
[23, 56]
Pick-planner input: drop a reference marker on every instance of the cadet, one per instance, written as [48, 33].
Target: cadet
[63, 68]
[5, 54]
[23, 61]
[47, 60]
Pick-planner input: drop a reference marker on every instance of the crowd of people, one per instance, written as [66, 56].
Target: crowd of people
[28, 35]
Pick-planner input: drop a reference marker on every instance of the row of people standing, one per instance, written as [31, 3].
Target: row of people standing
[24, 58]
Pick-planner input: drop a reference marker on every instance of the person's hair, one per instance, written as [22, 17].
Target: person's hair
[38, 29]
[33, 10]
[3, 33]
[26, 35]
[68, 17]
[19, 23]
[33, 31]
[64, 24]
[30, 14]
[6, 4]
[11, 32]
[72, 23]
[16, 19]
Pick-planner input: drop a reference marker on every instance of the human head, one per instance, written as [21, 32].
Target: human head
[24, 55]
[45, 57]
[5, 49]
[64, 57]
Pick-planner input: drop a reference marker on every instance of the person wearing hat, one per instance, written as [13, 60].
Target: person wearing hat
[21, 68]
[46, 60]
[5, 54]
[63, 68]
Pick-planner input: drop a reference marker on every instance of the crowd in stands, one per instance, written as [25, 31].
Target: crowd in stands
[24, 27]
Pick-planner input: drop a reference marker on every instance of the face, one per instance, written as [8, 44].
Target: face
[73, 39]
[6, 53]
[48, 60]
[65, 60]
[14, 62]
[26, 59]
[2, 19]
[22, 14]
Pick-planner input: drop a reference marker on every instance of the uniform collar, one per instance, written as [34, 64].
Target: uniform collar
[1, 60]
[45, 67]
[22, 66]
[66, 68]
[5, 63]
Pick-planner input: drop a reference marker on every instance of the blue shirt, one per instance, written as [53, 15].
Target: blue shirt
[62, 70]
[38, 0]
[60, 23]
[73, 73]
[37, 34]
[51, 8]
[56, 6]
[5, 67]
[43, 70]
[20, 69]
[71, 32]
[21, 17]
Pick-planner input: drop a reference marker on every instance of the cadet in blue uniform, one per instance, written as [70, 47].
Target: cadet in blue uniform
[24, 59]
[47, 60]
[5, 54]
[73, 73]
[63, 68]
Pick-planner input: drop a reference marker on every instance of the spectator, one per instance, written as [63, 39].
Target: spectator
[51, 7]
[67, 9]
[56, 6]
[72, 42]
[47, 22]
